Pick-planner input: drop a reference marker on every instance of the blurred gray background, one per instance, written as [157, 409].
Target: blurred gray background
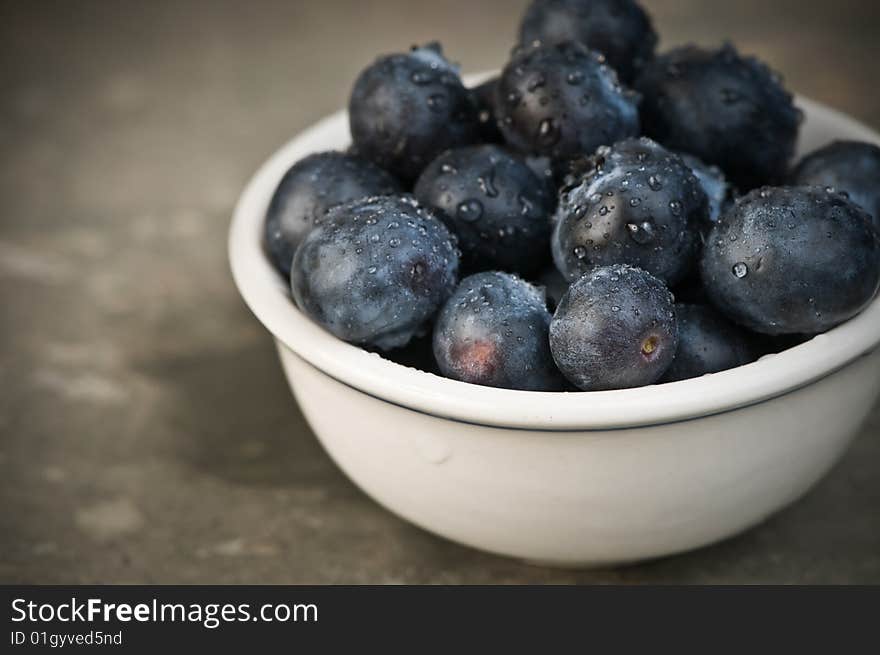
[146, 432]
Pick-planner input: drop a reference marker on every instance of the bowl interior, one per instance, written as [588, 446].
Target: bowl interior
[268, 297]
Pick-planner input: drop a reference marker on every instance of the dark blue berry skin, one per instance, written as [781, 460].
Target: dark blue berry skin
[792, 260]
[497, 206]
[851, 167]
[614, 329]
[707, 343]
[554, 286]
[544, 169]
[483, 97]
[311, 187]
[728, 110]
[561, 101]
[711, 178]
[406, 109]
[374, 271]
[619, 29]
[634, 203]
[493, 332]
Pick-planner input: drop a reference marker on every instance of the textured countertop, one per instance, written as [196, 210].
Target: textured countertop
[146, 431]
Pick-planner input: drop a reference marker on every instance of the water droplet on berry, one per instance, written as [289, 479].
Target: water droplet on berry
[470, 210]
[641, 233]
[487, 183]
[536, 83]
[437, 102]
[548, 132]
[740, 270]
[421, 78]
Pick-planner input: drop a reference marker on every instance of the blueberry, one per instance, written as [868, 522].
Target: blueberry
[792, 260]
[375, 270]
[493, 332]
[483, 97]
[634, 203]
[728, 110]
[406, 109]
[714, 184]
[561, 101]
[707, 343]
[554, 286]
[614, 329]
[311, 187]
[497, 206]
[852, 167]
[619, 29]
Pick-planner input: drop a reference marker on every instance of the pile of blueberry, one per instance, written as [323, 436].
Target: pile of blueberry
[596, 217]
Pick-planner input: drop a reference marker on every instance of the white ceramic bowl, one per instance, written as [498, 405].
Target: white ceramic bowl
[568, 479]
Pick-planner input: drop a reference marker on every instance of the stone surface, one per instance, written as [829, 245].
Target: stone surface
[146, 432]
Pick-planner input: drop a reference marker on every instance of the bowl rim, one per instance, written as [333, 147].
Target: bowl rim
[771, 376]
